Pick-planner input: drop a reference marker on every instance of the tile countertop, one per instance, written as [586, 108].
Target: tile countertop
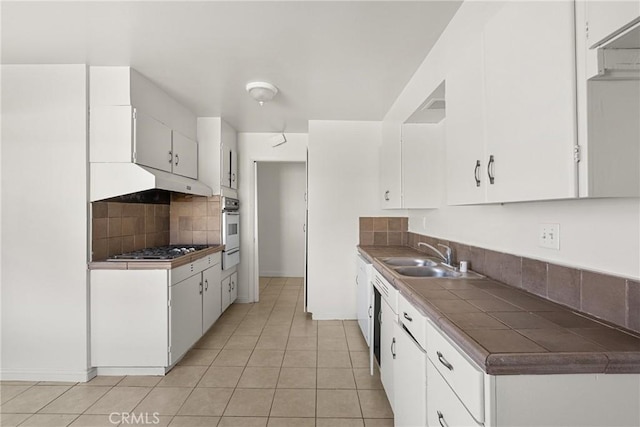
[507, 331]
[154, 265]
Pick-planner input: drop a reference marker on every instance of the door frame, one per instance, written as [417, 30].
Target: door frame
[255, 288]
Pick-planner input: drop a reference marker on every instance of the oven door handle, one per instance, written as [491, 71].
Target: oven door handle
[233, 251]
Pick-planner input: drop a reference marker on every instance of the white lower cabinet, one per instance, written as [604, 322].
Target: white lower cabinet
[444, 407]
[229, 287]
[211, 297]
[144, 321]
[364, 298]
[388, 329]
[185, 319]
[410, 381]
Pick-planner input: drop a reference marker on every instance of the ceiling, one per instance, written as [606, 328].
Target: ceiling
[342, 60]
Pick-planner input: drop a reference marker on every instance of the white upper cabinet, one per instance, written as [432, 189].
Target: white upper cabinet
[185, 156]
[607, 18]
[465, 128]
[152, 142]
[511, 109]
[530, 110]
[411, 157]
[390, 166]
[218, 155]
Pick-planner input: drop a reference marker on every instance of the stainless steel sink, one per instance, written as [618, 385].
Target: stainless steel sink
[435, 271]
[427, 271]
[409, 261]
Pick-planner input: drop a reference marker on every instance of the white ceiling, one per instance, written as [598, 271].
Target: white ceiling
[345, 60]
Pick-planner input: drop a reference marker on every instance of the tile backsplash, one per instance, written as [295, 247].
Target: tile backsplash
[383, 231]
[195, 220]
[613, 299]
[123, 227]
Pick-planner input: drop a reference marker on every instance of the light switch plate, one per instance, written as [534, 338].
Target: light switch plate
[549, 236]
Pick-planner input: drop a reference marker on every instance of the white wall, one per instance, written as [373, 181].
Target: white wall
[254, 147]
[44, 223]
[343, 186]
[281, 218]
[601, 235]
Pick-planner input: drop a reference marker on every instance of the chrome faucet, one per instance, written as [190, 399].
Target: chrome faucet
[446, 257]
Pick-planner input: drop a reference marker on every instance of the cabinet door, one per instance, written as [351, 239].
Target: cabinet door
[152, 142]
[225, 286]
[443, 406]
[465, 133]
[422, 157]
[186, 316]
[225, 167]
[410, 381]
[234, 169]
[185, 156]
[212, 297]
[530, 102]
[233, 294]
[607, 18]
[364, 304]
[390, 163]
[387, 351]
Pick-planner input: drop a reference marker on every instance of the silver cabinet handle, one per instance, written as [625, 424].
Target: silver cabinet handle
[369, 312]
[406, 316]
[170, 157]
[177, 159]
[386, 195]
[476, 173]
[357, 283]
[393, 347]
[380, 317]
[490, 169]
[444, 361]
[229, 286]
[304, 228]
[233, 179]
[441, 419]
[206, 284]
[200, 288]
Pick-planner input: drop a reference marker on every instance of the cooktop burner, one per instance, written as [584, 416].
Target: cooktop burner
[158, 253]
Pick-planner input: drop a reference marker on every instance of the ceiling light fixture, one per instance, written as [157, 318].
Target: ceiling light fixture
[262, 91]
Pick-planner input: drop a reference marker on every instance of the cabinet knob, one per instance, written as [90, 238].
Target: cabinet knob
[200, 288]
[177, 159]
[476, 173]
[370, 312]
[170, 157]
[406, 316]
[206, 284]
[393, 347]
[441, 419]
[233, 177]
[386, 195]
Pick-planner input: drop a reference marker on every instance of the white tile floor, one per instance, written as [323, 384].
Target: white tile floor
[263, 364]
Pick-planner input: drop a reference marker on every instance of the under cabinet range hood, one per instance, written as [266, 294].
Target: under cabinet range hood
[619, 55]
[116, 179]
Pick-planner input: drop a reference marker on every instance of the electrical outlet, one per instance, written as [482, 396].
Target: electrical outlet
[549, 236]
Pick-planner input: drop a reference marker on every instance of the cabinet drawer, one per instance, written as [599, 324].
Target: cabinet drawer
[466, 380]
[388, 292]
[413, 320]
[443, 406]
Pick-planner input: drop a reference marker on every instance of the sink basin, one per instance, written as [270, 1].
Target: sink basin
[409, 261]
[427, 271]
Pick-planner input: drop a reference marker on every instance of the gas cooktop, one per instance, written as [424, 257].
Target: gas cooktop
[158, 253]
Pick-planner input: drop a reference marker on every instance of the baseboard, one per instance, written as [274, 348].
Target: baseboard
[37, 375]
[280, 274]
[119, 371]
[333, 316]
[243, 300]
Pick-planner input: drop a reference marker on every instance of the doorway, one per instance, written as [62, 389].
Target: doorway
[281, 216]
